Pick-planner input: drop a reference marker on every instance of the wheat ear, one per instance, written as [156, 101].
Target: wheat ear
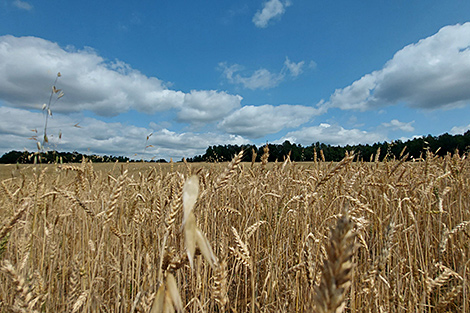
[222, 180]
[336, 274]
[9, 225]
[343, 163]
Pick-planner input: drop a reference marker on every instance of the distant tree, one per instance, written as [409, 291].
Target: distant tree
[14, 157]
[416, 148]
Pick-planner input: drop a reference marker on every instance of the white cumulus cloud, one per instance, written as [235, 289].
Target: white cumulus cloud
[271, 9]
[207, 106]
[397, 125]
[258, 121]
[456, 130]
[23, 5]
[28, 66]
[432, 73]
[262, 78]
[295, 69]
[99, 137]
[333, 135]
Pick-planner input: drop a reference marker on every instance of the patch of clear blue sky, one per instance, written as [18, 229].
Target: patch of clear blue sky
[182, 42]
[179, 41]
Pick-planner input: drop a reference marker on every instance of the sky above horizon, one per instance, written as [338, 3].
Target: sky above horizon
[167, 79]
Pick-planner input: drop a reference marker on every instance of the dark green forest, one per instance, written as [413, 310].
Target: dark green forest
[25, 157]
[415, 148]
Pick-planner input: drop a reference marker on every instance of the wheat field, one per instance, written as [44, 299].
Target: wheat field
[388, 236]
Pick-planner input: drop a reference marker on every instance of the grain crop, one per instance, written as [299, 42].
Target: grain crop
[381, 236]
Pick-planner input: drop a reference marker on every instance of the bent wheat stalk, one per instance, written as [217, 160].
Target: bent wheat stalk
[193, 236]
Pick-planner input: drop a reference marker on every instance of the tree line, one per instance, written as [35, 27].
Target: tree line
[439, 145]
[415, 148]
[25, 157]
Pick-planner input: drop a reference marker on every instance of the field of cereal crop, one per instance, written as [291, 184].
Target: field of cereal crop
[389, 236]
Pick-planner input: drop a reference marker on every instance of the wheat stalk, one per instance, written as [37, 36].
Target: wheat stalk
[265, 156]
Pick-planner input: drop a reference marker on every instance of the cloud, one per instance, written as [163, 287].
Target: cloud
[271, 9]
[28, 66]
[397, 125]
[333, 135]
[295, 69]
[430, 74]
[23, 5]
[258, 121]
[262, 78]
[96, 136]
[232, 14]
[189, 144]
[458, 130]
[207, 106]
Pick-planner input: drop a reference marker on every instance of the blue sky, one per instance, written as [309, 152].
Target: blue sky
[200, 73]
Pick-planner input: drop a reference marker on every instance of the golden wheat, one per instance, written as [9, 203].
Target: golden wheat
[237, 237]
